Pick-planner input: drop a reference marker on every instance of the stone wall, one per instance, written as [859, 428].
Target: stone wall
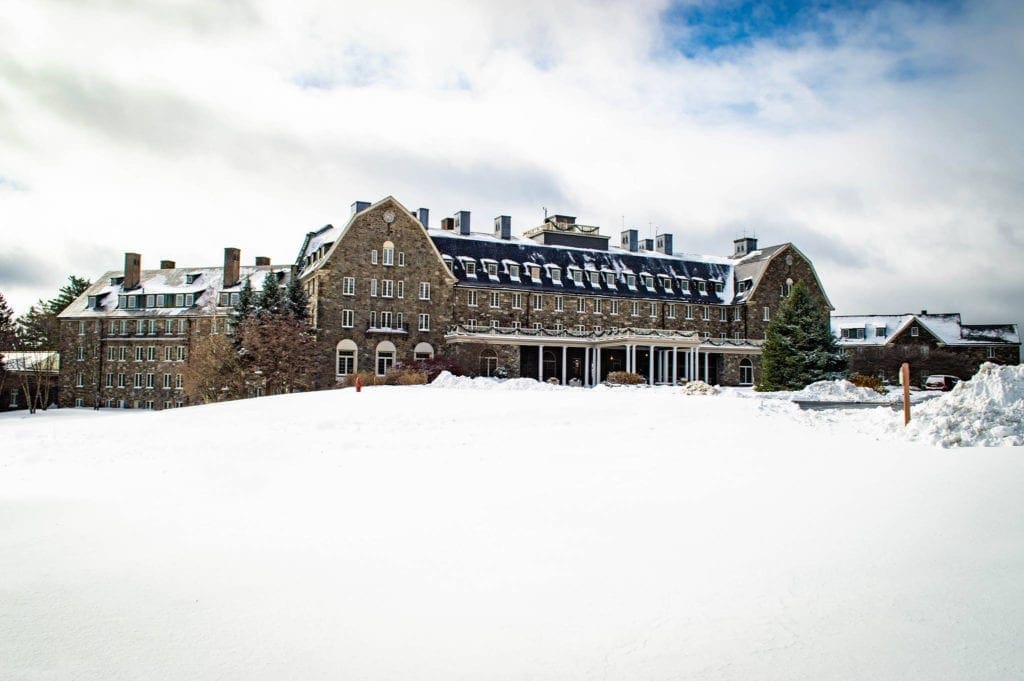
[788, 264]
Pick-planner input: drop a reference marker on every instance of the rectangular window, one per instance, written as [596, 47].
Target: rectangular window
[609, 279]
[121, 380]
[597, 306]
[80, 380]
[494, 323]
[990, 353]
[424, 322]
[471, 323]
[738, 335]
[513, 272]
[913, 329]
[140, 327]
[880, 332]
[79, 402]
[183, 326]
[597, 328]
[737, 313]
[348, 286]
[615, 307]
[556, 275]
[151, 353]
[400, 289]
[537, 326]
[177, 382]
[387, 288]
[168, 353]
[124, 327]
[719, 287]
[150, 300]
[113, 327]
[689, 311]
[138, 353]
[348, 318]
[122, 302]
[471, 298]
[399, 320]
[401, 259]
[167, 381]
[111, 353]
[495, 299]
[470, 268]
[538, 302]
[138, 380]
[373, 257]
[448, 264]
[80, 353]
[373, 319]
[535, 272]
[215, 326]
[373, 288]
[81, 328]
[631, 281]
[768, 315]
[385, 360]
[149, 380]
[346, 362]
[705, 313]
[189, 299]
[132, 302]
[182, 353]
[235, 297]
[595, 279]
[517, 301]
[577, 277]
[153, 323]
[110, 380]
[389, 257]
[648, 281]
[179, 300]
[559, 303]
[723, 314]
[581, 328]
[424, 290]
[385, 319]
[654, 310]
[634, 309]
[702, 287]
[492, 269]
[670, 310]
[581, 305]
[122, 353]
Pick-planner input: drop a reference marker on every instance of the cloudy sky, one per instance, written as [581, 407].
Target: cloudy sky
[883, 139]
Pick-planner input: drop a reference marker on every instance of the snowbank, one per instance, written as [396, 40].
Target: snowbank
[838, 391]
[700, 388]
[986, 411]
[447, 380]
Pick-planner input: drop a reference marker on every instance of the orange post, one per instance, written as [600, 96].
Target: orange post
[359, 384]
[905, 380]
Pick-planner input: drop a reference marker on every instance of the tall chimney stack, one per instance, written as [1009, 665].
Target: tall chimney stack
[232, 265]
[167, 264]
[503, 227]
[132, 270]
[663, 243]
[423, 215]
[462, 222]
[262, 261]
[360, 206]
[630, 240]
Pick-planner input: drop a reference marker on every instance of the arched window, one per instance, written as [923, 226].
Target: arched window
[389, 253]
[746, 372]
[488, 362]
[347, 358]
[550, 364]
[385, 357]
[423, 351]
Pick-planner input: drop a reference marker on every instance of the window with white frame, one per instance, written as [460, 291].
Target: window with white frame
[182, 326]
[581, 328]
[581, 305]
[122, 353]
[345, 354]
[138, 380]
[653, 312]
[471, 298]
[470, 323]
[689, 311]
[535, 272]
[631, 281]
[517, 301]
[723, 314]
[385, 357]
[182, 353]
[702, 287]
[348, 286]
[348, 319]
[387, 288]
[705, 313]
[719, 287]
[168, 353]
[670, 310]
[597, 328]
[492, 269]
[373, 288]
[556, 275]
[597, 305]
[399, 320]
[138, 353]
[81, 328]
[746, 372]
[111, 353]
[388, 252]
[513, 271]
[609, 279]
[373, 257]
[853, 333]
[80, 380]
[400, 289]
[177, 382]
[80, 353]
[913, 330]
[767, 314]
[149, 380]
[737, 313]
[634, 309]
[737, 335]
[424, 322]
[537, 326]
[495, 299]
[648, 281]
[449, 264]
[990, 353]
[151, 353]
[595, 278]
[880, 332]
[494, 323]
[559, 303]
[577, 277]
[110, 380]
[190, 298]
[401, 258]
[615, 307]
[470, 268]
[422, 352]
[538, 301]
[168, 381]
[121, 380]
[424, 290]
[179, 300]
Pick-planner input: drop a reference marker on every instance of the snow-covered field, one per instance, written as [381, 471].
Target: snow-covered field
[505, 533]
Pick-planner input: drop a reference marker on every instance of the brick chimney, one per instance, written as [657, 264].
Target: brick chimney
[232, 263]
[262, 261]
[132, 270]
[167, 264]
[448, 224]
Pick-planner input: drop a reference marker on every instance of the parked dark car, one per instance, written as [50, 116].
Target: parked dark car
[940, 382]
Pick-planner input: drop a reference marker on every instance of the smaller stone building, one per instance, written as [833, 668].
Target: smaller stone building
[877, 345]
[29, 378]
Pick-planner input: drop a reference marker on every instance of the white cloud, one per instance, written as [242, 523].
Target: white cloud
[892, 157]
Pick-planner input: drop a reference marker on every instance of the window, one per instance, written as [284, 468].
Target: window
[702, 287]
[488, 362]
[723, 314]
[422, 352]
[719, 287]
[517, 325]
[577, 277]
[110, 380]
[990, 353]
[399, 321]
[235, 297]
[609, 279]
[634, 310]
[448, 263]
[92, 302]
[113, 327]
[654, 310]
[597, 328]
[373, 319]
[122, 353]
[80, 380]
[373, 288]
[387, 288]
[348, 286]
[124, 327]
[648, 281]
[385, 319]
[138, 380]
[140, 327]
[767, 314]
[471, 298]
[689, 311]
[631, 281]
[581, 328]
[470, 267]
[492, 269]
[517, 301]
[787, 288]
[80, 353]
[746, 372]
[177, 383]
[495, 299]
[182, 353]
[121, 380]
[81, 328]
[138, 353]
[559, 304]
[79, 402]
[424, 322]
[151, 353]
[879, 332]
[167, 382]
[597, 305]
[149, 380]
[401, 259]
[595, 279]
[179, 300]
[189, 299]
[215, 326]
[132, 302]
[535, 272]
[581, 305]
[346, 357]
[556, 275]
[738, 335]
[666, 283]
[615, 307]
[111, 353]
[424, 290]
[385, 357]
[538, 301]
[348, 318]
[182, 326]
[168, 353]
[494, 323]
[737, 314]
[723, 335]
[913, 329]
[373, 257]
[670, 310]
[470, 323]
[705, 313]
[388, 254]
[537, 326]
[854, 333]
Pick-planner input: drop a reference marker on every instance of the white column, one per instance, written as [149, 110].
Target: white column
[597, 366]
[540, 363]
[586, 366]
[629, 363]
[565, 351]
[675, 365]
[650, 366]
[707, 375]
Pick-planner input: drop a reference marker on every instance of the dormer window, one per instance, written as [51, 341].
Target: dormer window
[856, 333]
[666, 283]
[647, 280]
[577, 277]
[719, 287]
[92, 302]
[609, 279]
[631, 281]
[913, 331]
[191, 278]
[556, 275]
[388, 254]
[150, 300]
[879, 332]
[595, 279]
[702, 287]
[684, 285]
[492, 269]
[470, 267]
[448, 263]
[189, 299]
[116, 281]
[513, 271]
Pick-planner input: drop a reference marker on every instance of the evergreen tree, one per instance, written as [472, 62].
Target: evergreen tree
[271, 300]
[38, 329]
[8, 330]
[297, 300]
[75, 287]
[799, 347]
[246, 305]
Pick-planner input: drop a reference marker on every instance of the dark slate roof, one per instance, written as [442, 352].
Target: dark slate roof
[484, 247]
[990, 333]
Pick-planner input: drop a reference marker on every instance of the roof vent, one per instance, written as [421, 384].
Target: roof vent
[360, 206]
[629, 240]
[167, 264]
[647, 244]
[462, 222]
[503, 227]
[924, 312]
[262, 261]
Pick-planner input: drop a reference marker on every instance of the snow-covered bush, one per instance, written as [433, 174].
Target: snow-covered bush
[624, 378]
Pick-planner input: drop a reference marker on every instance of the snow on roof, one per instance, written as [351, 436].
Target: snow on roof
[38, 360]
[946, 327]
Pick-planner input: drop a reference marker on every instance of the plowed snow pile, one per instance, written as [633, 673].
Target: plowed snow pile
[986, 411]
[838, 391]
[448, 380]
[699, 388]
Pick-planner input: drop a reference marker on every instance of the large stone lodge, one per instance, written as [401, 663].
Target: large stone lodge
[559, 302]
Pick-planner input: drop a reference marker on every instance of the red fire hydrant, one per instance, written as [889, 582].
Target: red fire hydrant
[359, 384]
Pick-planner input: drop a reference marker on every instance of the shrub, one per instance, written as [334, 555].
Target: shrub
[369, 378]
[432, 368]
[863, 381]
[624, 378]
[405, 375]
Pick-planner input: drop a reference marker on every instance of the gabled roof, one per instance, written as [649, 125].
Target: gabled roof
[205, 287]
[753, 266]
[945, 327]
[481, 247]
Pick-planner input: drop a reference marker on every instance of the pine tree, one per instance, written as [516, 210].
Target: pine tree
[297, 300]
[8, 331]
[246, 305]
[271, 301]
[799, 347]
[38, 329]
[75, 287]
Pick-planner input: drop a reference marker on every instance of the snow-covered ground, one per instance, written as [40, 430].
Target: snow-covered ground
[432, 532]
